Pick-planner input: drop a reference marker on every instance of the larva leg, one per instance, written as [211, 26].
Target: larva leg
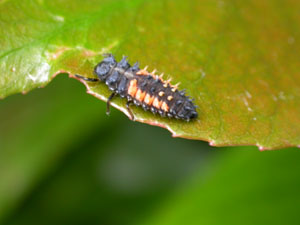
[108, 102]
[129, 110]
[87, 78]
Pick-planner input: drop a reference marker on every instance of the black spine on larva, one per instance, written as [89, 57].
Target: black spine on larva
[104, 68]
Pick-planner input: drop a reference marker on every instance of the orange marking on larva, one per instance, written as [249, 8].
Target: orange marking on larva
[142, 72]
[153, 72]
[161, 76]
[140, 95]
[170, 97]
[156, 103]
[165, 107]
[176, 85]
[148, 99]
[132, 87]
[161, 93]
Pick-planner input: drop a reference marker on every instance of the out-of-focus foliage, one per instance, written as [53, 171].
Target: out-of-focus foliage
[244, 187]
[35, 132]
[238, 59]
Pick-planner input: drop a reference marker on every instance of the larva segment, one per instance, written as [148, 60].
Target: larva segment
[148, 99]
[132, 89]
[165, 107]
[156, 103]
[140, 95]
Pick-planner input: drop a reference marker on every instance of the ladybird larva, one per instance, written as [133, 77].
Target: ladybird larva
[142, 88]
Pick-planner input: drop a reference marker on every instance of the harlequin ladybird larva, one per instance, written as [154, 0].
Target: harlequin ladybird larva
[142, 88]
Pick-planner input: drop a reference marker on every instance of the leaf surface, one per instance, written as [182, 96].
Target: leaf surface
[238, 59]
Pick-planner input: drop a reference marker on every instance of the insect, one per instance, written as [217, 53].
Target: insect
[142, 88]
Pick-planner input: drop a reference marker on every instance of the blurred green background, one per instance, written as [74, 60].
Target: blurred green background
[63, 161]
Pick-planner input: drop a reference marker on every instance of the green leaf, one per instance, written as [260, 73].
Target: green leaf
[238, 59]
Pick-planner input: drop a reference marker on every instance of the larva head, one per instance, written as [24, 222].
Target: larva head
[103, 68]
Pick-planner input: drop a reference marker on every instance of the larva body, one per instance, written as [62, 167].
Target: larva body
[144, 89]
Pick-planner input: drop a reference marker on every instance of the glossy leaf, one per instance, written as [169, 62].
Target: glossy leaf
[238, 59]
